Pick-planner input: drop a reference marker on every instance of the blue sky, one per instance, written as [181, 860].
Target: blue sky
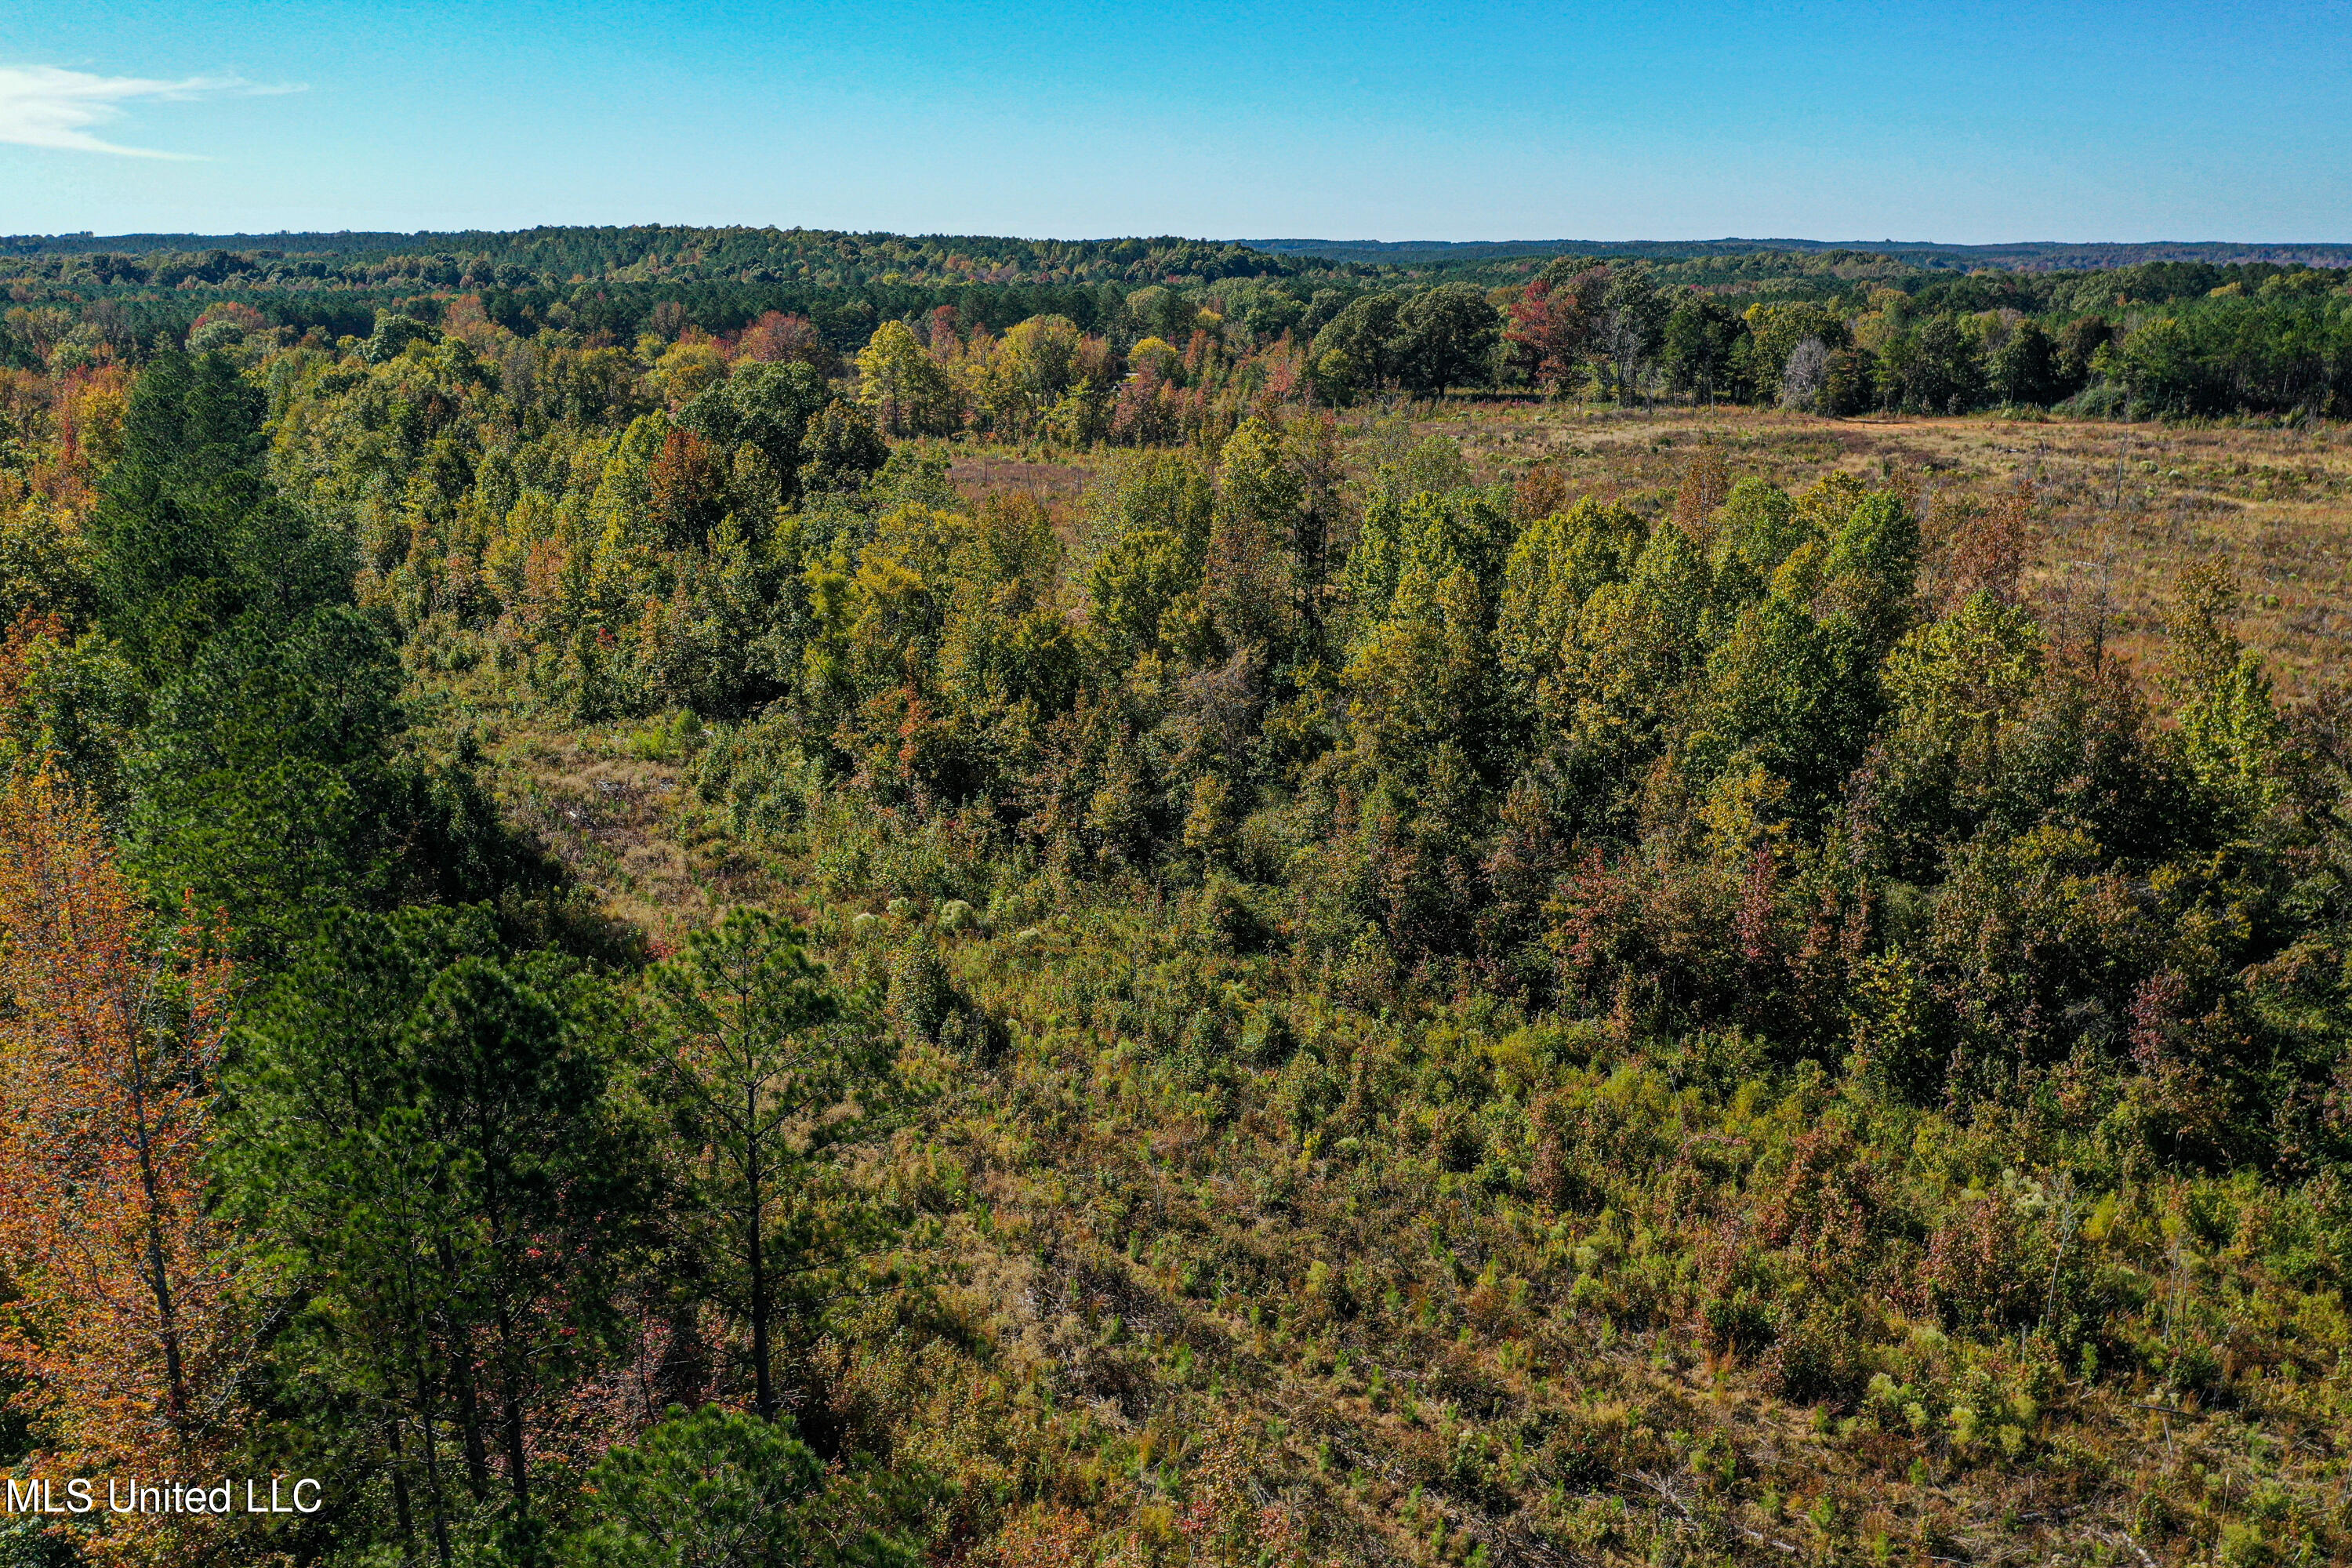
[1476, 119]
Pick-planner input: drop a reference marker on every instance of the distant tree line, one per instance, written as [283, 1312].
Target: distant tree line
[1835, 332]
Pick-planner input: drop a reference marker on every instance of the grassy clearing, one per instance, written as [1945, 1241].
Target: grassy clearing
[2118, 509]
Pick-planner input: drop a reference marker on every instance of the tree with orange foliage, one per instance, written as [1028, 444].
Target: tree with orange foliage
[689, 489]
[125, 1324]
[776, 337]
[86, 411]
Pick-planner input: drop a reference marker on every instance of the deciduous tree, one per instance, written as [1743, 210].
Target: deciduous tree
[1448, 333]
[904, 385]
[127, 1323]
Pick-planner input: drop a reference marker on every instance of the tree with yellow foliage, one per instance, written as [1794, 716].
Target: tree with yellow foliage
[904, 385]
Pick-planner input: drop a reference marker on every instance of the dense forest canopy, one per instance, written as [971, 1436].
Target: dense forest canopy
[2036, 257]
[2175, 329]
[1311, 1002]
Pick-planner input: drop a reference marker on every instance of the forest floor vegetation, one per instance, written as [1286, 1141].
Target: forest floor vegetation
[1155, 1263]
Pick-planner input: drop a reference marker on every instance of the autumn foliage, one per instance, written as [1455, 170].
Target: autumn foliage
[123, 1322]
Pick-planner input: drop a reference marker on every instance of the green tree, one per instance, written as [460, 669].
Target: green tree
[1149, 542]
[768, 1085]
[2230, 733]
[713, 1489]
[1871, 567]
[1849, 382]
[189, 533]
[1437, 530]
[45, 561]
[900, 379]
[422, 1129]
[393, 335]
[1251, 578]
[1134, 583]
[842, 450]
[1626, 667]
[1033, 368]
[767, 406]
[1368, 334]
[1957, 688]
[1758, 526]
[2160, 365]
[1792, 696]
[1936, 366]
[1633, 315]
[1554, 565]
[2025, 368]
[1421, 681]
[1446, 336]
[1774, 330]
[2079, 342]
[1696, 349]
[262, 785]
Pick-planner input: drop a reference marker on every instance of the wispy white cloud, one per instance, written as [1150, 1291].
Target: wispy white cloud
[46, 106]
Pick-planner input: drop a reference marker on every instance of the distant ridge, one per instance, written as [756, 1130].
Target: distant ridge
[2031, 255]
[605, 250]
[340, 242]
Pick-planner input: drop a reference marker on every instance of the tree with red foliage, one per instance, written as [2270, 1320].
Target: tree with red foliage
[1554, 323]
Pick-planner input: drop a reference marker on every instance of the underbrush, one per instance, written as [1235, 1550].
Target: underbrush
[1451, 1280]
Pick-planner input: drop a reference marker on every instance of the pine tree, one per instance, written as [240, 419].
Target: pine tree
[767, 1084]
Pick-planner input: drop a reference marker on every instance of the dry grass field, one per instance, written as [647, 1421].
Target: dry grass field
[2118, 510]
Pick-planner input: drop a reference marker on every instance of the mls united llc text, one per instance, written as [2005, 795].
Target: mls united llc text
[79, 1496]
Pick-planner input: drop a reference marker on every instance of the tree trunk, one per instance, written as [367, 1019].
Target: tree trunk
[175, 1379]
[764, 1381]
[432, 1460]
[469, 1419]
[684, 1364]
[401, 1512]
[518, 1461]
